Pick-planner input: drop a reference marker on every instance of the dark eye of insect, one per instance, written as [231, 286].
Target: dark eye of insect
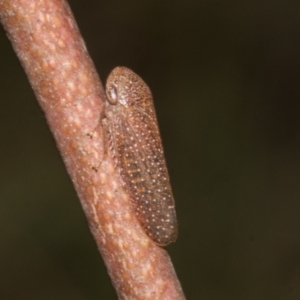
[113, 94]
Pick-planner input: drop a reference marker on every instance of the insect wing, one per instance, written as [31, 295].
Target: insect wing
[144, 171]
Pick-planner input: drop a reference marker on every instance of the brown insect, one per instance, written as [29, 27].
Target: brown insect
[136, 145]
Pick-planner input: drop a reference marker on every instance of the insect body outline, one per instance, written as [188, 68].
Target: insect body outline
[133, 133]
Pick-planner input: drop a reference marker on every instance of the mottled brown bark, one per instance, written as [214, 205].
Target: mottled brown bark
[52, 52]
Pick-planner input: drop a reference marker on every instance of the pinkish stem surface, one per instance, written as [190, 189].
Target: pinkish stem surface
[53, 54]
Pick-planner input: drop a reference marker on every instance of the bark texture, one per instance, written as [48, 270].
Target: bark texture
[63, 77]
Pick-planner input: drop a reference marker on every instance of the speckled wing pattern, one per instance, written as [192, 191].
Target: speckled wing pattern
[137, 148]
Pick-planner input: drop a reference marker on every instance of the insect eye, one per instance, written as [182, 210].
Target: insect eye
[112, 94]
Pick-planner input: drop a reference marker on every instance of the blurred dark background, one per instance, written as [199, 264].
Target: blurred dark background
[225, 78]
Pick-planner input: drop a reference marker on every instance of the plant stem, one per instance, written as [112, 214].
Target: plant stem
[48, 43]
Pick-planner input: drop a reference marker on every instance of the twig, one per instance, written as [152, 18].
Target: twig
[52, 52]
